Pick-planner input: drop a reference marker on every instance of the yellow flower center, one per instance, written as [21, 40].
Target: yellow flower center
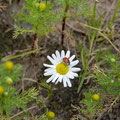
[62, 68]
[42, 6]
[112, 59]
[9, 65]
[37, 4]
[96, 97]
[51, 115]
[1, 90]
[9, 81]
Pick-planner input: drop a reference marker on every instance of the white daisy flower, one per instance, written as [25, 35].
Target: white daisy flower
[62, 68]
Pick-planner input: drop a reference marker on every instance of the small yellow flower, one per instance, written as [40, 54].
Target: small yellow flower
[42, 6]
[9, 81]
[112, 81]
[112, 59]
[6, 93]
[51, 115]
[1, 90]
[96, 97]
[37, 4]
[9, 65]
[97, 0]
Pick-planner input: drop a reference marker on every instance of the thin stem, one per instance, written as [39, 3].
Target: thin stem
[34, 39]
[109, 42]
[63, 28]
[100, 32]
[33, 107]
[64, 21]
[33, 43]
[115, 100]
[20, 55]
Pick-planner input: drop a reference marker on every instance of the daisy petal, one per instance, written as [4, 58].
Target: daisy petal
[64, 82]
[68, 82]
[50, 73]
[51, 60]
[68, 54]
[58, 55]
[59, 79]
[74, 74]
[48, 69]
[71, 76]
[50, 79]
[62, 54]
[52, 66]
[56, 82]
[55, 78]
[55, 58]
[74, 63]
[75, 69]
[72, 58]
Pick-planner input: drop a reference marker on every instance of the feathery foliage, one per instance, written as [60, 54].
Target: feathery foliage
[34, 19]
[91, 105]
[9, 95]
[109, 77]
[81, 7]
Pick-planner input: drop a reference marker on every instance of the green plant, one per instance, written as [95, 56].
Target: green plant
[40, 21]
[48, 88]
[114, 16]
[49, 115]
[96, 24]
[81, 7]
[108, 80]
[36, 18]
[91, 53]
[9, 96]
[88, 54]
[108, 77]
[91, 106]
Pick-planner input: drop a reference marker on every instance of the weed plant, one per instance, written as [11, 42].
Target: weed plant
[106, 68]
[73, 9]
[92, 106]
[41, 21]
[38, 16]
[108, 84]
[9, 96]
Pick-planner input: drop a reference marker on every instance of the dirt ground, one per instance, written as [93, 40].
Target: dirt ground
[63, 99]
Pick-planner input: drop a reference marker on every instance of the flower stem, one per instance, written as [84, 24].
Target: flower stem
[64, 21]
[34, 39]
[33, 43]
[33, 107]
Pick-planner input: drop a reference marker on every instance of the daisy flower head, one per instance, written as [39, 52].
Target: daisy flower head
[62, 68]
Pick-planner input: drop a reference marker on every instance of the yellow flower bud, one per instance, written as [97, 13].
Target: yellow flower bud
[9, 65]
[51, 115]
[37, 4]
[9, 81]
[6, 93]
[112, 59]
[42, 6]
[1, 90]
[96, 97]
[112, 81]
